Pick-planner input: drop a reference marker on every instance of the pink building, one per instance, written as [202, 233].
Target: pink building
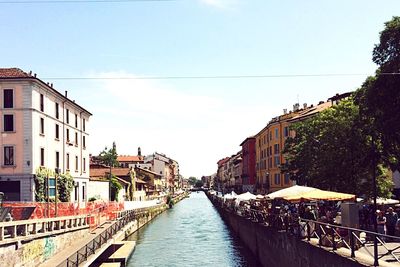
[41, 128]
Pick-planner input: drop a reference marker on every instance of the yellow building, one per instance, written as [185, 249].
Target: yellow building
[270, 142]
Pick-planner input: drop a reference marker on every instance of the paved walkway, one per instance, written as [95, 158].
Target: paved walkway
[58, 258]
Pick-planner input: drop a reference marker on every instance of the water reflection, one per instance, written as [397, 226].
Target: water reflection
[190, 234]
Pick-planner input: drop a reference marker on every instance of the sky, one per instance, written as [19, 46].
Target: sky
[158, 68]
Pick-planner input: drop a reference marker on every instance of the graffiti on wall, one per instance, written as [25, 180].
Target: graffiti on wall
[49, 248]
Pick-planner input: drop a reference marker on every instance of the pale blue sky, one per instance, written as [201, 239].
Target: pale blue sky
[195, 121]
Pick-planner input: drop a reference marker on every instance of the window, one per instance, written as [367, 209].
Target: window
[57, 159]
[67, 161]
[76, 191]
[83, 191]
[286, 178]
[286, 131]
[84, 142]
[57, 111]
[276, 133]
[277, 161]
[76, 138]
[84, 125]
[8, 98]
[8, 156]
[9, 123]
[57, 132]
[277, 177]
[67, 135]
[41, 156]
[76, 163]
[84, 164]
[76, 120]
[67, 115]
[270, 135]
[52, 187]
[41, 102]
[42, 126]
[276, 149]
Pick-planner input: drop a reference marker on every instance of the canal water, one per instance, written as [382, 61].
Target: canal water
[190, 234]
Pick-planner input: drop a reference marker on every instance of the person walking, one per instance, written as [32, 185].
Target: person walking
[381, 221]
[391, 220]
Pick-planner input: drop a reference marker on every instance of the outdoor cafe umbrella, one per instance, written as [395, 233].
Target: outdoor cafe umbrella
[290, 191]
[321, 195]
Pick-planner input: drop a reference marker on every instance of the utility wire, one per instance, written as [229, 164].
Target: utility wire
[78, 1]
[217, 76]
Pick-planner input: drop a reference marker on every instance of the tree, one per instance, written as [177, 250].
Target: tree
[330, 151]
[192, 180]
[109, 156]
[379, 97]
[198, 184]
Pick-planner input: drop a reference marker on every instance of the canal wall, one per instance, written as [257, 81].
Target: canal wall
[274, 248]
[36, 251]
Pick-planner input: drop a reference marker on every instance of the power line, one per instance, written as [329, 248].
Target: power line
[78, 1]
[218, 76]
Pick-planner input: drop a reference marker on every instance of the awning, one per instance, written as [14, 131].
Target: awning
[318, 194]
[290, 191]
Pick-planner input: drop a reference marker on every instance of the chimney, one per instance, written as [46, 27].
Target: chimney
[320, 102]
[30, 73]
[305, 105]
[284, 111]
[66, 94]
[139, 151]
[51, 85]
[296, 107]
[34, 75]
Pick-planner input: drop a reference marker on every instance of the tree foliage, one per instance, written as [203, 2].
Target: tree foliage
[192, 180]
[65, 185]
[109, 156]
[379, 96]
[330, 151]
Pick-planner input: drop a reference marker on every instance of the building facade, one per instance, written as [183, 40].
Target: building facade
[41, 129]
[248, 164]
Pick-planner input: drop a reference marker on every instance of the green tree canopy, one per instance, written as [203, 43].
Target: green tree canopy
[109, 156]
[192, 180]
[379, 96]
[330, 151]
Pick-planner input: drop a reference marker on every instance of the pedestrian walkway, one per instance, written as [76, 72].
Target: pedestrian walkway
[60, 258]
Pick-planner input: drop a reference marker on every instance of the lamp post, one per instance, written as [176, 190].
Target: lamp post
[375, 193]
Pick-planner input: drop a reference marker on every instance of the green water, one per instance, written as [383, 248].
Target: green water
[190, 234]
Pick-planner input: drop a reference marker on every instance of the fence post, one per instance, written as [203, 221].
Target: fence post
[376, 263]
[333, 239]
[353, 253]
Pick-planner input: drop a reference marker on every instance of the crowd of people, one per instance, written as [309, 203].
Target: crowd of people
[284, 215]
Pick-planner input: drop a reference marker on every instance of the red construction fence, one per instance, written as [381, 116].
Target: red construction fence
[97, 211]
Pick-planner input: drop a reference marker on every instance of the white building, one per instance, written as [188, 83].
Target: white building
[42, 128]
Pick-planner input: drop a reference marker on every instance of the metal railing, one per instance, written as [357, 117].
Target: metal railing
[375, 245]
[122, 219]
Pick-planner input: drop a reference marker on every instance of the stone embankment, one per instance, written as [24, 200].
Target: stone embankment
[275, 248]
[68, 241]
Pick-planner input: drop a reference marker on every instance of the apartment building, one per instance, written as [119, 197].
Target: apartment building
[248, 164]
[41, 128]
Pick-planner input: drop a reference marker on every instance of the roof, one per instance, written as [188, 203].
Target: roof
[248, 138]
[13, 73]
[104, 172]
[223, 161]
[311, 111]
[140, 181]
[124, 158]
[18, 74]
[145, 170]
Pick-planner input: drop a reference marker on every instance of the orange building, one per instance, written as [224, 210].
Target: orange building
[270, 142]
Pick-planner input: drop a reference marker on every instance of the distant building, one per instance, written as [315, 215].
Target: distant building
[126, 161]
[41, 129]
[248, 164]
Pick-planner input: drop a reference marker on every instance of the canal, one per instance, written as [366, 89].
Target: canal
[190, 234]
